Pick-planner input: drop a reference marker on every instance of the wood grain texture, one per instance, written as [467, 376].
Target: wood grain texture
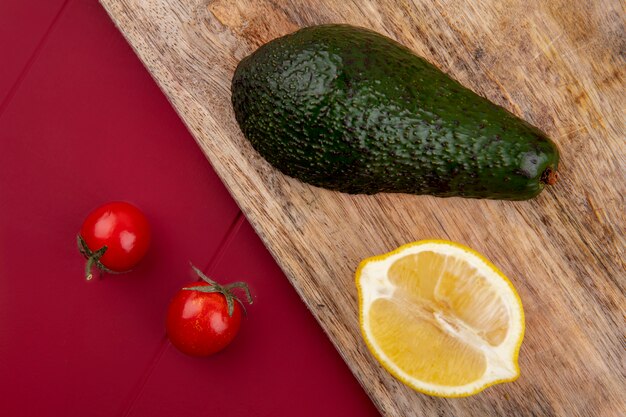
[558, 64]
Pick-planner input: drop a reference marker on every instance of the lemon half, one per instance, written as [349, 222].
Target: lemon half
[440, 317]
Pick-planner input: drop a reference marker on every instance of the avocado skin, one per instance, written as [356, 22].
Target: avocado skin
[348, 109]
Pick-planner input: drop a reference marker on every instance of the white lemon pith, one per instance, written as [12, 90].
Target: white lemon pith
[440, 318]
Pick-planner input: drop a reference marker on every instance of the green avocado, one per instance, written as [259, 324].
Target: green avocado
[348, 109]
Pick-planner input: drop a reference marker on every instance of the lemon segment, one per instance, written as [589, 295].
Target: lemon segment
[440, 318]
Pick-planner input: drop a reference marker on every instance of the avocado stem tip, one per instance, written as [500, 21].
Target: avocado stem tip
[550, 176]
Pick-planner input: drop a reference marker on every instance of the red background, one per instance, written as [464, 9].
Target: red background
[82, 123]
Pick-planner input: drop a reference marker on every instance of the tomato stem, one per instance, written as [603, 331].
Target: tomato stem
[225, 290]
[93, 258]
[88, 266]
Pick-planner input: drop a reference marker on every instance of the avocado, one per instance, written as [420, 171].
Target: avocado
[348, 109]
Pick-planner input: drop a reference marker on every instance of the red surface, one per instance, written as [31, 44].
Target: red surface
[23, 26]
[81, 123]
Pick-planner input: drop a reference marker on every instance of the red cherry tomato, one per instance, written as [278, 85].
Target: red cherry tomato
[114, 238]
[205, 317]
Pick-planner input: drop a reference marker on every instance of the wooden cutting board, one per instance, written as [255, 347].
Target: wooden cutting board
[558, 64]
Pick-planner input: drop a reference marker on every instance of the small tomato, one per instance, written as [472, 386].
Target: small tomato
[205, 317]
[114, 238]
